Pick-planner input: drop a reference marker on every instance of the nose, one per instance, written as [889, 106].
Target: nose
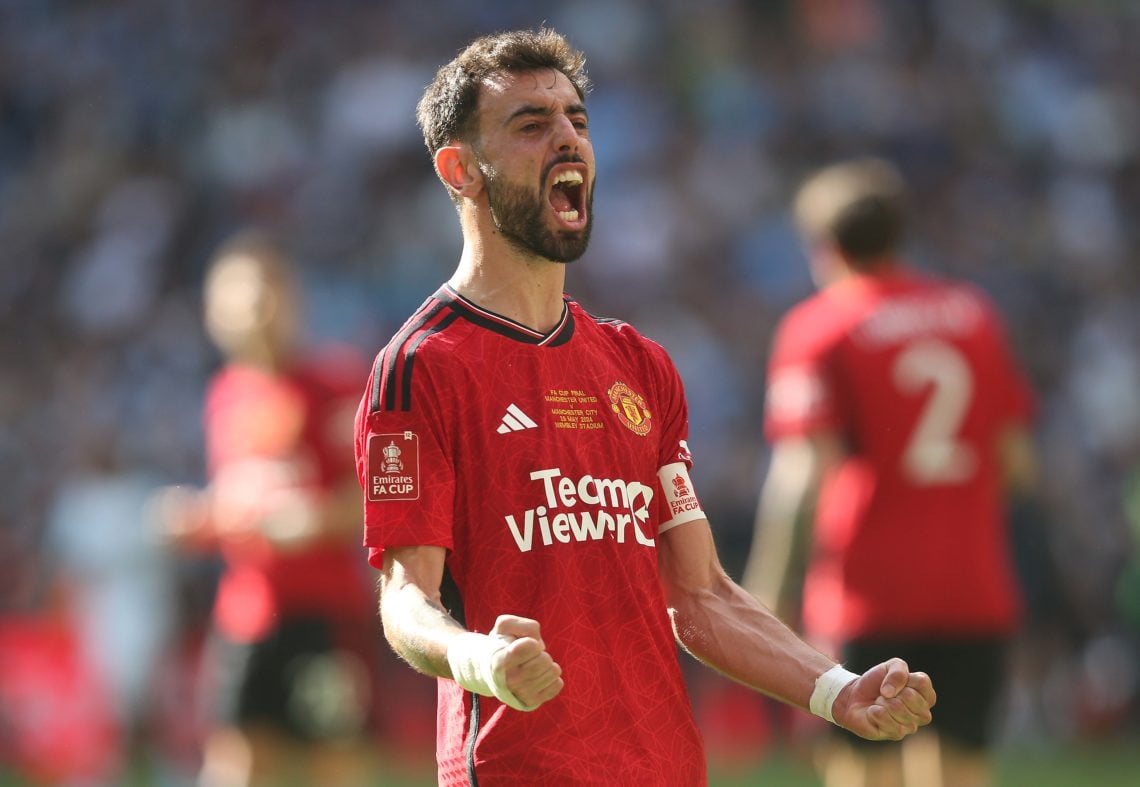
[565, 135]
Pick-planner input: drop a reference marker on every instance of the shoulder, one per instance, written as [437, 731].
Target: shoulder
[812, 325]
[428, 338]
[425, 344]
[968, 290]
[621, 336]
[433, 317]
[812, 311]
[940, 284]
[966, 302]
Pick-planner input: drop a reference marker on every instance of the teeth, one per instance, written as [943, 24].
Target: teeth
[568, 215]
[570, 176]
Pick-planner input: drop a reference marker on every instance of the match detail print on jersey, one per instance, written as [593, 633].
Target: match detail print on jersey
[393, 467]
[574, 409]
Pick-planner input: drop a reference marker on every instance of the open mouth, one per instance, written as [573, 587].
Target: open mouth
[568, 197]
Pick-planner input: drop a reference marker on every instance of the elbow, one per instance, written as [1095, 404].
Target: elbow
[689, 614]
[685, 632]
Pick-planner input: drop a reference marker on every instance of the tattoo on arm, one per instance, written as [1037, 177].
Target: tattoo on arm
[418, 633]
[442, 614]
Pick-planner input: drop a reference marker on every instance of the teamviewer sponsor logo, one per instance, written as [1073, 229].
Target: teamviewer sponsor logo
[583, 509]
[515, 420]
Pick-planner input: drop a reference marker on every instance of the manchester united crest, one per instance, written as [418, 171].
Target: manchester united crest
[630, 408]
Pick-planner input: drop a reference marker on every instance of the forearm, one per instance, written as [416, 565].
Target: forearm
[416, 624]
[772, 557]
[782, 514]
[727, 629]
[510, 663]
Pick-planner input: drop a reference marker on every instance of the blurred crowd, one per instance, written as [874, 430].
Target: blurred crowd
[137, 135]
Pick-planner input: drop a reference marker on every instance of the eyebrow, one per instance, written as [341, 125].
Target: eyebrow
[545, 111]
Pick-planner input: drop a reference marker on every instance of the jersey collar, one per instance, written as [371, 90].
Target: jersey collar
[559, 334]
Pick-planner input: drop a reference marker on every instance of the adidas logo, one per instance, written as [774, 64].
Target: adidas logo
[515, 421]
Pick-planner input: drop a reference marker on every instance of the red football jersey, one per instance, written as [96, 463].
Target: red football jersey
[547, 465]
[915, 375]
[274, 435]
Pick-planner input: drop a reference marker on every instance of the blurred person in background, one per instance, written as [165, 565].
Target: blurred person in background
[898, 419]
[59, 720]
[290, 676]
[526, 475]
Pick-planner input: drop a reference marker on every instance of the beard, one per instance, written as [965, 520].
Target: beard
[520, 216]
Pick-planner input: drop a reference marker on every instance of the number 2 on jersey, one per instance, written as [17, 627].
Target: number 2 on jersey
[934, 454]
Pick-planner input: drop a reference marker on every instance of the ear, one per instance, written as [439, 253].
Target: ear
[456, 167]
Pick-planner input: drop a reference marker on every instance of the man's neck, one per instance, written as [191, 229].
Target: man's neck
[526, 290]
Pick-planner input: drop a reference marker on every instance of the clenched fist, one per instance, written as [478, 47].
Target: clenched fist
[887, 702]
[527, 670]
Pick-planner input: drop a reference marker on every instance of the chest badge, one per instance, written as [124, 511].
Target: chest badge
[630, 408]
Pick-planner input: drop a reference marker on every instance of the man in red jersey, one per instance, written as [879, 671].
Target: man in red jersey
[895, 407]
[526, 477]
[291, 661]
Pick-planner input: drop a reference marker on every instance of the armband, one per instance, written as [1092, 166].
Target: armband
[684, 506]
[471, 657]
[827, 688]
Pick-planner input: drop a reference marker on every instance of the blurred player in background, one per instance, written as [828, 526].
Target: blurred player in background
[290, 670]
[527, 484]
[896, 411]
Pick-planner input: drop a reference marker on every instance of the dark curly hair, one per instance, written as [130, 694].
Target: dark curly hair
[447, 111]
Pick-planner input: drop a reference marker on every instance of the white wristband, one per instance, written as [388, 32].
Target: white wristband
[827, 688]
[471, 657]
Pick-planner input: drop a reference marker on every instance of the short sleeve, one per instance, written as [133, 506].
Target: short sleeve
[678, 501]
[406, 474]
[799, 398]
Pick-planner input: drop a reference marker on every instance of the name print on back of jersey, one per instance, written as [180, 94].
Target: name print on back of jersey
[583, 509]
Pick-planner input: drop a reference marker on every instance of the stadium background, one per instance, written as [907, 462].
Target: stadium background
[136, 134]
